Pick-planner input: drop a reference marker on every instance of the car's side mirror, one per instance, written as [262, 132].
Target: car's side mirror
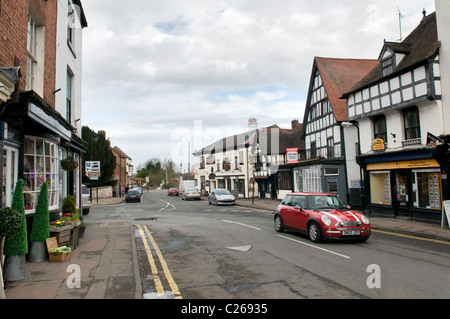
[348, 207]
[297, 207]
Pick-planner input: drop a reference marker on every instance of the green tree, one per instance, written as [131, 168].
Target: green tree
[17, 244]
[156, 172]
[40, 230]
[98, 149]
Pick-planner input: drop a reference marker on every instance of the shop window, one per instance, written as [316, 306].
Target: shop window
[10, 165]
[426, 189]
[312, 180]
[380, 188]
[40, 165]
[284, 180]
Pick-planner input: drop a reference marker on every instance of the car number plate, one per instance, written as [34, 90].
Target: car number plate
[350, 232]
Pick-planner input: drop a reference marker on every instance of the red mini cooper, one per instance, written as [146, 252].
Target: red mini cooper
[321, 216]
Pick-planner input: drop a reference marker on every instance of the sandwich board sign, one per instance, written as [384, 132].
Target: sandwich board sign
[93, 170]
[445, 213]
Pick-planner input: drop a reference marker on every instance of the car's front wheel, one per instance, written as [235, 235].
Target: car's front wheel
[278, 223]
[314, 232]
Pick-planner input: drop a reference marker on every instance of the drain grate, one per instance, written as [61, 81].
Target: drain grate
[146, 218]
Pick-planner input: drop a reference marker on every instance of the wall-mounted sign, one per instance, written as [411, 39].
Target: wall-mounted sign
[423, 163]
[292, 155]
[378, 144]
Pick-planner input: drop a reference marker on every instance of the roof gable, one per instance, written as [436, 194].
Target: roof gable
[338, 76]
[420, 45]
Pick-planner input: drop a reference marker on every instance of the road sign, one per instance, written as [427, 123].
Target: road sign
[92, 166]
[93, 176]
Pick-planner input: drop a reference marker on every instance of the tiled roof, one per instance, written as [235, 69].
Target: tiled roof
[420, 45]
[340, 75]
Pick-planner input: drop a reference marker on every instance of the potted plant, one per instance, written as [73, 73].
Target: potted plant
[71, 214]
[10, 221]
[69, 210]
[81, 230]
[16, 246]
[69, 164]
[40, 229]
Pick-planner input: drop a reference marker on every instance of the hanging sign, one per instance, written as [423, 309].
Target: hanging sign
[292, 155]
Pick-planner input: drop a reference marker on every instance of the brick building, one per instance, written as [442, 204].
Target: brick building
[35, 135]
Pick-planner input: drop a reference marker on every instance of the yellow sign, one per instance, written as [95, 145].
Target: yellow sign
[378, 144]
[424, 163]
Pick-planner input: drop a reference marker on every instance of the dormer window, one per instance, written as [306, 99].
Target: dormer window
[387, 65]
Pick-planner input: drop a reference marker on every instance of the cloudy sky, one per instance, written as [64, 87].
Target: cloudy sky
[166, 77]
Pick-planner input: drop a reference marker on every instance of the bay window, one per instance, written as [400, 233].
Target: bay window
[40, 165]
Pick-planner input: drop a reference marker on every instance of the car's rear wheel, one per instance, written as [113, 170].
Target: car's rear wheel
[314, 232]
[278, 223]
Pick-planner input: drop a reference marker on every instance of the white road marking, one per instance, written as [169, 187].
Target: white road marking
[313, 246]
[228, 221]
[167, 205]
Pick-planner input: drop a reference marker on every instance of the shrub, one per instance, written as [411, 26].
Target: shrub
[40, 229]
[69, 209]
[17, 243]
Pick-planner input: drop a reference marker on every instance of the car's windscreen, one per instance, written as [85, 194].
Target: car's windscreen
[325, 202]
[222, 192]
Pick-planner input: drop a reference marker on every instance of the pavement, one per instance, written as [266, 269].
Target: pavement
[104, 265]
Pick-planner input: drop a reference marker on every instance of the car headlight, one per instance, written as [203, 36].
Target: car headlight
[365, 220]
[326, 220]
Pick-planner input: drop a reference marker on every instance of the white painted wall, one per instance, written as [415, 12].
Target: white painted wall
[66, 59]
[443, 26]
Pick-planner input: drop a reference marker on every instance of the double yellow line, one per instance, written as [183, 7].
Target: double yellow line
[158, 284]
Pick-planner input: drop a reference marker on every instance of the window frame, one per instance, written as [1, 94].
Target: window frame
[411, 131]
[380, 134]
[40, 163]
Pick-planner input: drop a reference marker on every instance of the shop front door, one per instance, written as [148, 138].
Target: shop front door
[402, 193]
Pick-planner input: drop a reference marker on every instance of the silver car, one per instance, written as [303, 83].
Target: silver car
[221, 196]
[190, 193]
[86, 199]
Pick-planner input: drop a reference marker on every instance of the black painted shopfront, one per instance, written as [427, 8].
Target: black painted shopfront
[407, 184]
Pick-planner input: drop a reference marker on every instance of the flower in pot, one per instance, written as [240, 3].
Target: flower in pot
[16, 246]
[40, 229]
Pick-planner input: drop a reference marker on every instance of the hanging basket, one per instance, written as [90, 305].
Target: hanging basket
[68, 164]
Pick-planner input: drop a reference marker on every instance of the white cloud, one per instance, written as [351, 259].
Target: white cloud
[152, 67]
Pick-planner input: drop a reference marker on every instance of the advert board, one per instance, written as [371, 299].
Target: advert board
[445, 213]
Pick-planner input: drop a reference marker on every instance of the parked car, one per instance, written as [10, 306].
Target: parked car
[221, 196]
[139, 189]
[132, 195]
[173, 191]
[86, 199]
[321, 216]
[190, 193]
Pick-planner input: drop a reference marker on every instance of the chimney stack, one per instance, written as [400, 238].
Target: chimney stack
[252, 124]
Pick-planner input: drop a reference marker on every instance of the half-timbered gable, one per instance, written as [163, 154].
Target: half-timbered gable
[401, 119]
[323, 166]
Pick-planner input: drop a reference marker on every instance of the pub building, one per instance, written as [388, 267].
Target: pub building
[400, 116]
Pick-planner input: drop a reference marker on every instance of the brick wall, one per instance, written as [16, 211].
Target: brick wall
[13, 39]
[13, 35]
